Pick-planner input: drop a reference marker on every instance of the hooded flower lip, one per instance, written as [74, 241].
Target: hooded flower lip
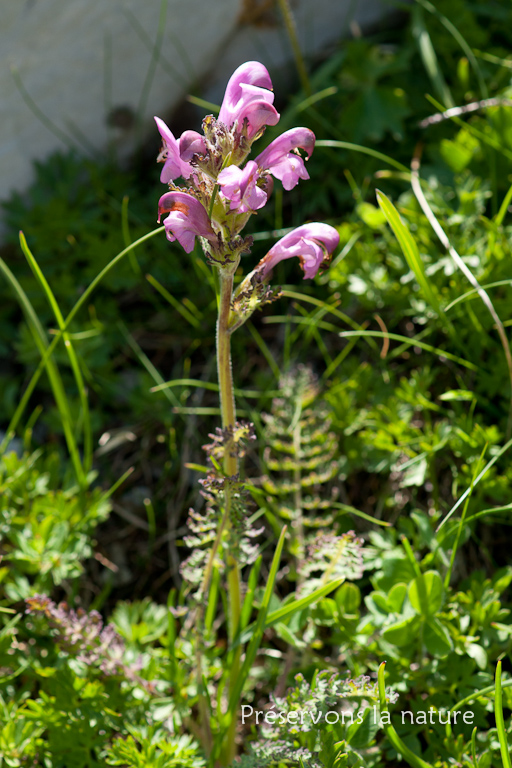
[187, 219]
[240, 187]
[313, 244]
[174, 166]
[191, 143]
[249, 95]
[281, 159]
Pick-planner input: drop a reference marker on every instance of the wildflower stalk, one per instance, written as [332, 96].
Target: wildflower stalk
[215, 204]
[227, 398]
[228, 415]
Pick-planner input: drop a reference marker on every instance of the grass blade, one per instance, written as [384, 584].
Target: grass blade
[252, 649]
[429, 213]
[11, 429]
[335, 144]
[409, 249]
[452, 29]
[73, 358]
[291, 29]
[148, 365]
[500, 723]
[474, 292]
[58, 390]
[462, 521]
[476, 481]
[185, 313]
[429, 57]
[249, 595]
[414, 342]
[389, 730]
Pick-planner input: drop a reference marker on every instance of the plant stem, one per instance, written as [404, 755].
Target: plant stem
[227, 398]
[228, 413]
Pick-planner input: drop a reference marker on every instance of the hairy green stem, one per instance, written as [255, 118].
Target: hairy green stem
[228, 413]
[227, 398]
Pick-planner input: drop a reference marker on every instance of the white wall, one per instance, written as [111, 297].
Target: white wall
[79, 59]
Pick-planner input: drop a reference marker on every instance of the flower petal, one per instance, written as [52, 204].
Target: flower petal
[174, 166]
[249, 95]
[239, 186]
[187, 219]
[191, 143]
[313, 244]
[281, 159]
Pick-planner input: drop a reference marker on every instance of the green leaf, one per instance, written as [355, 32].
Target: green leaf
[395, 570]
[478, 654]
[436, 638]
[396, 597]
[402, 633]
[457, 394]
[371, 215]
[415, 474]
[287, 635]
[359, 735]
[298, 605]
[348, 598]
[426, 593]
[458, 154]
[376, 111]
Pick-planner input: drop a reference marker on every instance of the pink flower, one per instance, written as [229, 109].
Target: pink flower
[174, 166]
[239, 187]
[249, 96]
[281, 159]
[187, 219]
[312, 243]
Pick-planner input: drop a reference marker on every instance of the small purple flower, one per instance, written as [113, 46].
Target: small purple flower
[187, 219]
[249, 96]
[240, 187]
[283, 161]
[174, 166]
[313, 244]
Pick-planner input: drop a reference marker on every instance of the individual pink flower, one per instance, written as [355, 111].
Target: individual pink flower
[282, 160]
[239, 186]
[174, 165]
[313, 244]
[187, 219]
[249, 96]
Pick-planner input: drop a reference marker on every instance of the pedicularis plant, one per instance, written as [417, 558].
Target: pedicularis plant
[223, 189]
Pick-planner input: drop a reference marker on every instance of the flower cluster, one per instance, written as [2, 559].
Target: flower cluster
[224, 188]
[82, 636]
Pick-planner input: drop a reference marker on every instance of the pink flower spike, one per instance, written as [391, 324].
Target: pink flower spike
[240, 187]
[187, 219]
[313, 244]
[249, 95]
[281, 159]
[174, 165]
